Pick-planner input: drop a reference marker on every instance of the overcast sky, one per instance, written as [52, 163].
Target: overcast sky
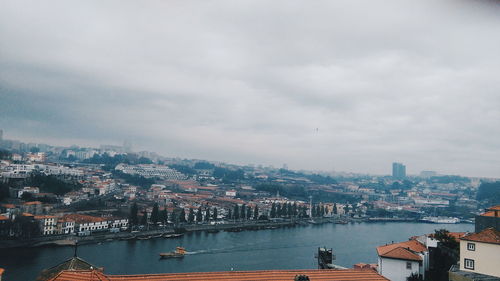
[326, 85]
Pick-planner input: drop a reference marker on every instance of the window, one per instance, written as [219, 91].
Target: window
[471, 246]
[408, 265]
[469, 264]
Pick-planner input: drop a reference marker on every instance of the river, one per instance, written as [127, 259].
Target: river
[284, 248]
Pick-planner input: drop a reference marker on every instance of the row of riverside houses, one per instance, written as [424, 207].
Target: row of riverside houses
[69, 224]
[478, 257]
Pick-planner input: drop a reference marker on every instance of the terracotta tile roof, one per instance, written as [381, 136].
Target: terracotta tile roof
[497, 207]
[44, 217]
[83, 218]
[489, 235]
[402, 254]
[8, 206]
[3, 218]
[412, 245]
[33, 203]
[266, 275]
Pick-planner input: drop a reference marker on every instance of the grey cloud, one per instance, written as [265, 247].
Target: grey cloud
[345, 85]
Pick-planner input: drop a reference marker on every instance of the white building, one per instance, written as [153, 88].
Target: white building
[48, 224]
[480, 252]
[398, 261]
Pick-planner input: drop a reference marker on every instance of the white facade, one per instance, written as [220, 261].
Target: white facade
[398, 270]
[479, 257]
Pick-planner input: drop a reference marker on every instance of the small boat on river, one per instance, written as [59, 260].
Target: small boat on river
[178, 253]
[173, 235]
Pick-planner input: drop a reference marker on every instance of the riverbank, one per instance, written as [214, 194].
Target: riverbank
[100, 237]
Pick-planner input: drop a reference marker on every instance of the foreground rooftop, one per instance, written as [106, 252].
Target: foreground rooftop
[261, 275]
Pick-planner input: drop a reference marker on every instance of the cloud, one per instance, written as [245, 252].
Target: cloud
[344, 85]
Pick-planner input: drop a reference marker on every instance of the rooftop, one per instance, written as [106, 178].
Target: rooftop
[264, 275]
[412, 245]
[488, 235]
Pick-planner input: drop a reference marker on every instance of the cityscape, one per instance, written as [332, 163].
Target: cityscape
[53, 195]
[250, 140]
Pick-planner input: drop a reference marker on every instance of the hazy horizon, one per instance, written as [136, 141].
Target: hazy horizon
[348, 86]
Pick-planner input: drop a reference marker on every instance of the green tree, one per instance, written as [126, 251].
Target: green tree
[182, 215]
[144, 219]
[191, 215]
[322, 211]
[289, 212]
[155, 214]
[249, 212]
[230, 214]
[294, 210]
[207, 214]
[243, 213]
[443, 236]
[133, 219]
[199, 215]
[334, 208]
[214, 214]
[279, 211]
[256, 213]
[164, 216]
[236, 212]
[273, 211]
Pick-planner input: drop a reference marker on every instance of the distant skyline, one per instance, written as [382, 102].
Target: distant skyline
[331, 85]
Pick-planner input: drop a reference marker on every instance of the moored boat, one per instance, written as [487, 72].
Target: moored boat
[449, 220]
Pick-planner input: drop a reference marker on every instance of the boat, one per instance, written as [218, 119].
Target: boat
[173, 235]
[449, 220]
[156, 236]
[144, 237]
[178, 253]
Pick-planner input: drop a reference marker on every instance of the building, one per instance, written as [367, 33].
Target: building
[397, 261]
[258, 275]
[398, 170]
[490, 218]
[480, 253]
[48, 224]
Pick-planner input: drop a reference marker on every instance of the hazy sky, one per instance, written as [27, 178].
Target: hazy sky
[344, 85]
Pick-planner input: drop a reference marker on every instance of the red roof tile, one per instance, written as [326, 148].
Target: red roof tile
[489, 235]
[412, 245]
[266, 275]
[402, 254]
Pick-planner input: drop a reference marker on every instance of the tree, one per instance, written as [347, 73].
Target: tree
[182, 215]
[243, 213]
[133, 219]
[414, 277]
[279, 212]
[144, 219]
[199, 215]
[207, 214]
[304, 212]
[256, 213]
[164, 216]
[214, 214]
[191, 215]
[284, 210]
[443, 236]
[236, 212]
[273, 211]
[249, 212]
[322, 211]
[294, 210]
[155, 214]
[313, 212]
[230, 214]
[289, 212]
[334, 208]
[346, 209]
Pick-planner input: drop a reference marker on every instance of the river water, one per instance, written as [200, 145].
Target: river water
[284, 248]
